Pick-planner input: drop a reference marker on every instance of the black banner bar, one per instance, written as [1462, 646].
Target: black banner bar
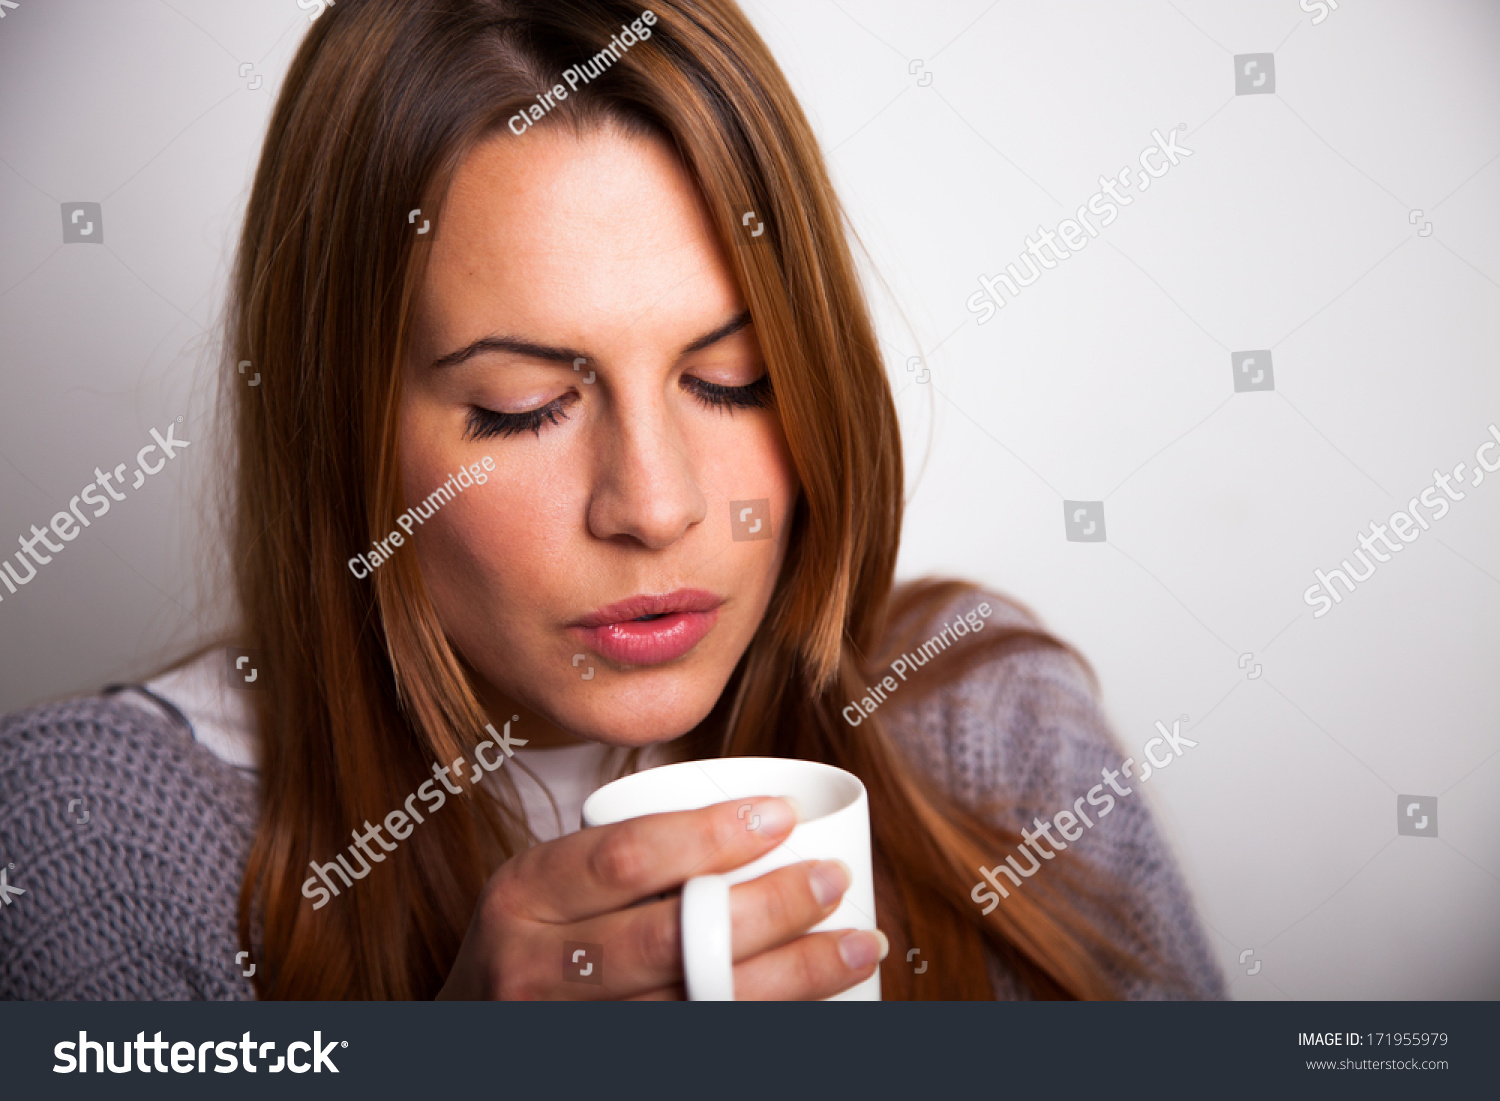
[410, 1050]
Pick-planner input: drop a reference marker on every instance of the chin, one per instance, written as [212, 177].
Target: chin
[635, 708]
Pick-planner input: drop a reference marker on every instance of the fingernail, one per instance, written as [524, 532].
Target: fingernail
[863, 948]
[829, 879]
[778, 816]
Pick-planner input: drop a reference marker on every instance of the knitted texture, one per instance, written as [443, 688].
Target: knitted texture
[140, 901]
[1024, 734]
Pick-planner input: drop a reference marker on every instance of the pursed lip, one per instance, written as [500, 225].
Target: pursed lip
[683, 600]
[617, 633]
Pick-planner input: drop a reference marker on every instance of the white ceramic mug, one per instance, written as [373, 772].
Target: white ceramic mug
[835, 825]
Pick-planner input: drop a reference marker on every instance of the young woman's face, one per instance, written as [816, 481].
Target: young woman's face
[580, 326]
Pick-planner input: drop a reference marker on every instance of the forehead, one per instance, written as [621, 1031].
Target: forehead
[574, 236]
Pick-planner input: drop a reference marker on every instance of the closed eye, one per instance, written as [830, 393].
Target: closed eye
[485, 423]
[756, 395]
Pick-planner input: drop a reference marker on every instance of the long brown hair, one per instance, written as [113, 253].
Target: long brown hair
[382, 102]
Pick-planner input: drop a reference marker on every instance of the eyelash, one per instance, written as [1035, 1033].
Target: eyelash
[484, 423]
[757, 395]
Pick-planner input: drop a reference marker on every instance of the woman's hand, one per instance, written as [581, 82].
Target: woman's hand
[598, 886]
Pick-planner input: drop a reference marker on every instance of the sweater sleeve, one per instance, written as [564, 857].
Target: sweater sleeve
[1023, 737]
[128, 839]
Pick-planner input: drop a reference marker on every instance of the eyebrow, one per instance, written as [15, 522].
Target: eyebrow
[553, 354]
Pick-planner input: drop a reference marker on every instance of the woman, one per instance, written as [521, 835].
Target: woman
[558, 293]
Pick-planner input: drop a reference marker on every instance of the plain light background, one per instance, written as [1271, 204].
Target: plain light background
[1290, 228]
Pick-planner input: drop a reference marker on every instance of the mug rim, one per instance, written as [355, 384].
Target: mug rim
[857, 794]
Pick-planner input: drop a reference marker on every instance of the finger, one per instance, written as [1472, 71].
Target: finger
[780, 906]
[767, 976]
[818, 965]
[642, 945]
[606, 868]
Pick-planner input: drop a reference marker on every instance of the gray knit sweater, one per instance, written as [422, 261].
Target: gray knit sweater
[131, 891]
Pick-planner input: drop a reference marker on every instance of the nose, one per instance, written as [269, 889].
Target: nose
[646, 488]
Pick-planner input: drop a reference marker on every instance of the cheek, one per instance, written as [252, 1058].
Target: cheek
[496, 543]
[750, 463]
[772, 468]
[490, 541]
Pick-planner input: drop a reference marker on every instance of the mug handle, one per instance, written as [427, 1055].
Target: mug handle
[707, 954]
